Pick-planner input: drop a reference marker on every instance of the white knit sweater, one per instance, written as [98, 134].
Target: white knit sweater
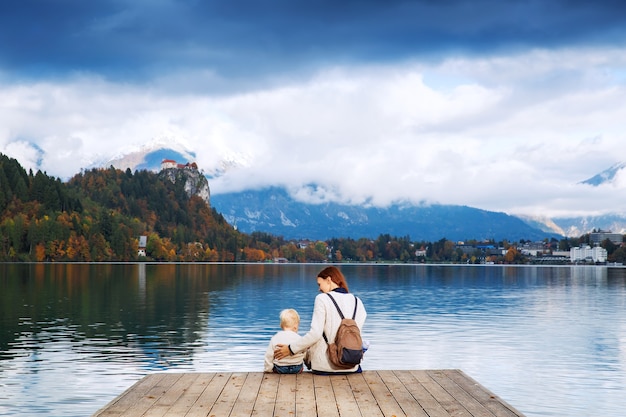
[283, 337]
[326, 320]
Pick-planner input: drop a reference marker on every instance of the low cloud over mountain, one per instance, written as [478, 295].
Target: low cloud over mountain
[279, 211]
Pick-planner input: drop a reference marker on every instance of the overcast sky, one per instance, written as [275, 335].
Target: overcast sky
[500, 105]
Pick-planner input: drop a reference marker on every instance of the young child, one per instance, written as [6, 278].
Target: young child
[289, 322]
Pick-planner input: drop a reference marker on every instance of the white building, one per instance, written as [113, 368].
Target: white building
[143, 242]
[588, 254]
[168, 163]
[596, 238]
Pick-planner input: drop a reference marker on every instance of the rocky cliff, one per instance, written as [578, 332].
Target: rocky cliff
[195, 182]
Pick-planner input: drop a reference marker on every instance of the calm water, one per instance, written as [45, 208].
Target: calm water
[549, 340]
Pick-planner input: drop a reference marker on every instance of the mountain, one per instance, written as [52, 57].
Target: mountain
[274, 211]
[543, 223]
[606, 176]
[149, 158]
[578, 226]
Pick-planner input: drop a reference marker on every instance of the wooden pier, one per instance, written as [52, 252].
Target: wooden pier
[427, 393]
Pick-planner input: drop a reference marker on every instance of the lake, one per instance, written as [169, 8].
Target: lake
[551, 341]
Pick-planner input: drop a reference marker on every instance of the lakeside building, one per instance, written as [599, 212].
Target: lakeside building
[534, 249]
[596, 238]
[588, 254]
[143, 243]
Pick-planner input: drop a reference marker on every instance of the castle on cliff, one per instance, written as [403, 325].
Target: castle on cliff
[170, 163]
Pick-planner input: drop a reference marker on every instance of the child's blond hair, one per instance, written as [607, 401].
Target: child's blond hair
[289, 318]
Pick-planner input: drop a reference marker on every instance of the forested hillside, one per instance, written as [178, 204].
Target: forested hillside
[98, 215]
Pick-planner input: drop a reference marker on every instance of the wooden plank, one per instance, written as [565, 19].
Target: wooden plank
[129, 397]
[165, 402]
[363, 395]
[346, 402]
[209, 396]
[227, 398]
[324, 396]
[475, 408]
[388, 405]
[305, 396]
[487, 398]
[421, 395]
[264, 404]
[401, 394]
[249, 392]
[147, 401]
[448, 402]
[286, 396]
[191, 395]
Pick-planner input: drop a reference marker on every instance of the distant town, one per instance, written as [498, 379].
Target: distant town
[390, 249]
[592, 251]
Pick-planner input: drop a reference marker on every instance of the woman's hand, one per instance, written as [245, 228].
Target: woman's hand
[281, 351]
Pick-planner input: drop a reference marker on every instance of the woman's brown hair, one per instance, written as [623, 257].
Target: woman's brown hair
[335, 275]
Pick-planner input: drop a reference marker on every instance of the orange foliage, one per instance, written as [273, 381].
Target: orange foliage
[40, 252]
[254, 255]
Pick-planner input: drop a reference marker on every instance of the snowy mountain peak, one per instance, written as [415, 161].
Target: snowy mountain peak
[149, 156]
[607, 176]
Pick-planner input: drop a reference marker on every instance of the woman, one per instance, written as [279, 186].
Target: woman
[325, 321]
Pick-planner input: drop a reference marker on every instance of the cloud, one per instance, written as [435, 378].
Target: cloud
[243, 39]
[483, 133]
[499, 105]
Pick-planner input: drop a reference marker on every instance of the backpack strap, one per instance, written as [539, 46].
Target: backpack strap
[356, 304]
[336, 305]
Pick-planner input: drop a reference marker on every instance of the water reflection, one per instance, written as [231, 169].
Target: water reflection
[550, 340]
